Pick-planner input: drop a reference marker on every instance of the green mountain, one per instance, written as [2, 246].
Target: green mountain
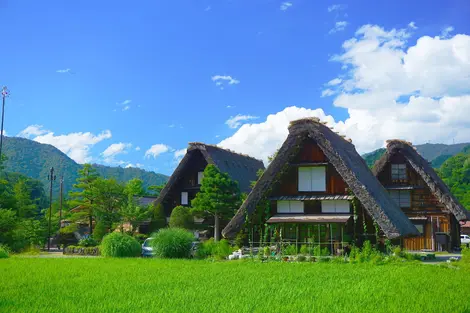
[437, 154]
[34, 160]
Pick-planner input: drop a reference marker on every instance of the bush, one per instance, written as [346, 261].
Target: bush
[158, 220]
[87, 242]
[222, 249]
[290, 250]
[304, 250]
[181, 217]
[140, 237]
[172, 243]
[100, 230]
[466, 255]
[4, 252]
[206, 249]
[120, 245]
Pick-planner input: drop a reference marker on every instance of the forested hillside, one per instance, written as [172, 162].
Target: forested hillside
[34, 160]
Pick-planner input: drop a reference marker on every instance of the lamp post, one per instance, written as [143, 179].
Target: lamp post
[51, 177]
[5, 94]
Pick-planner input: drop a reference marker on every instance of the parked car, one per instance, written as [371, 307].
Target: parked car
[465, 239]
[147, 250]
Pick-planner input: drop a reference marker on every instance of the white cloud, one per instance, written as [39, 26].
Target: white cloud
[336, 7]
[417, 91]
[446, 31]
[171, 125]
[339, 26]
[113, 150]
[156, 150]
[412, 25]
[327, 93]
[230, 107]
[285, 6]
[124, 104]
[179, 154]
[127, 107]
[32, 130]
[137, 148]
[334, 82]
[67, 70]
[75, 145]
[208, 8]
[221, 80]
[137, 165]
[236, 121]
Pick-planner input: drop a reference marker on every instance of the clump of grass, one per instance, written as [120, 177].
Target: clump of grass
[172, 243]
[4, 252]
[120, 246]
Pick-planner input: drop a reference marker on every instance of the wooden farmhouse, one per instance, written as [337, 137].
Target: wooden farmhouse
[319, 189]
[422, 195]
[185, 182]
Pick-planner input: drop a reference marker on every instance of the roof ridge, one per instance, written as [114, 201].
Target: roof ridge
[196, 144]
[316, 120]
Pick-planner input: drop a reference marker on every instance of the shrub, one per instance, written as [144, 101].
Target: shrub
[267, 251]
[100, 230]
[304, 250]
[120, 245]
[206, 249]
[290, 250]
[301, 258]
[466, 255]
[223, 249]
[181, 217]
[4, 252]
[219, 250]
[240, 238]
[172, 243]
[87, 242]
[158, 220]
[140, 237]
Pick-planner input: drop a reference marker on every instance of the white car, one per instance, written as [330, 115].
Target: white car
[465, 239]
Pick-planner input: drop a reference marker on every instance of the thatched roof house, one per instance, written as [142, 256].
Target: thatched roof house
[438, 188]
[342, 154]
[241, 168]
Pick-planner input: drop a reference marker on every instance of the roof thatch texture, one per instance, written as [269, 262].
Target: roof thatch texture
[427, 173]
[240, 167]
[348, 163]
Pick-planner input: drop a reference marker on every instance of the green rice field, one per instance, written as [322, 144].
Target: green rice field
[152, 285]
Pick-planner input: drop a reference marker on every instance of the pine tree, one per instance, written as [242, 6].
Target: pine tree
[219, 197]
[82, 199]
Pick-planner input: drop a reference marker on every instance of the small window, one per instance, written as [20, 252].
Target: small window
[290, 207]
[399, 172]
[200, 176]
[335, 206]
[312, 178]
[401, 197]
[184, 198]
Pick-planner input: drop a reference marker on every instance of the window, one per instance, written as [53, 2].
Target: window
[401, 197]
[290, 207]
[200, 176]
[399, 172]
[184, 198]
[312, 178]
[420, 228]
[335, 206]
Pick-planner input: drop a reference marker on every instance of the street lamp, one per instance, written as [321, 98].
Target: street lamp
[5, 94]
[51, 177]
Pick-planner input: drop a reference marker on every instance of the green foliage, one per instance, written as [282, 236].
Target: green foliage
[466, 255]
[219, 250]
[456, 174]
[119, 245]
[181, 217]
[240, 238]
[318, 251]
[172, 243]
[87, 242]
[373, 156]
[108, 199]
[304, 249]
[154, 190]
[28, 232]
[101, 229]
[158, 218]
[290, 250]
[4, 252]
[219, 196]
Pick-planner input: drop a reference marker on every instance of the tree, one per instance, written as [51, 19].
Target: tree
[83, 198]
[108, 200]
[155, 190]
[25, 206]
[181, 217]
[219, 197]
[134, 213]
[158, 218]
[135, 187]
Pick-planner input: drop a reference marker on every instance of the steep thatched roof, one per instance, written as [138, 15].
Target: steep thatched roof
[348, 163]
[240, 167]
[427, 173]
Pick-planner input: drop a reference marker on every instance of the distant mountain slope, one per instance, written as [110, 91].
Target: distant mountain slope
[437, 154]
[34, 160]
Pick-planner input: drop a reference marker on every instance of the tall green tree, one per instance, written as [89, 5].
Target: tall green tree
[26, 207]
[155, 190]
[219, 197]
[133, 212]
[108, 200]
[158, 218]
[83, 197]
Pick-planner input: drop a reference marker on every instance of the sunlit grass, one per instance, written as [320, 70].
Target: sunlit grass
[152, 285]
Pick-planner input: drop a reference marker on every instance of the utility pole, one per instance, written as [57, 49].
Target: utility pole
[51, 177]
[61, 192]
[4, 95]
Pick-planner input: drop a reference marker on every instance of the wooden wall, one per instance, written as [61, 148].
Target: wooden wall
[308, 154]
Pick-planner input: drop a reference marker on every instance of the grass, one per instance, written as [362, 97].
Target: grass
[140, 285]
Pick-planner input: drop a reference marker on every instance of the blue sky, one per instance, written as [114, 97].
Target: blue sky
[85, 75]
